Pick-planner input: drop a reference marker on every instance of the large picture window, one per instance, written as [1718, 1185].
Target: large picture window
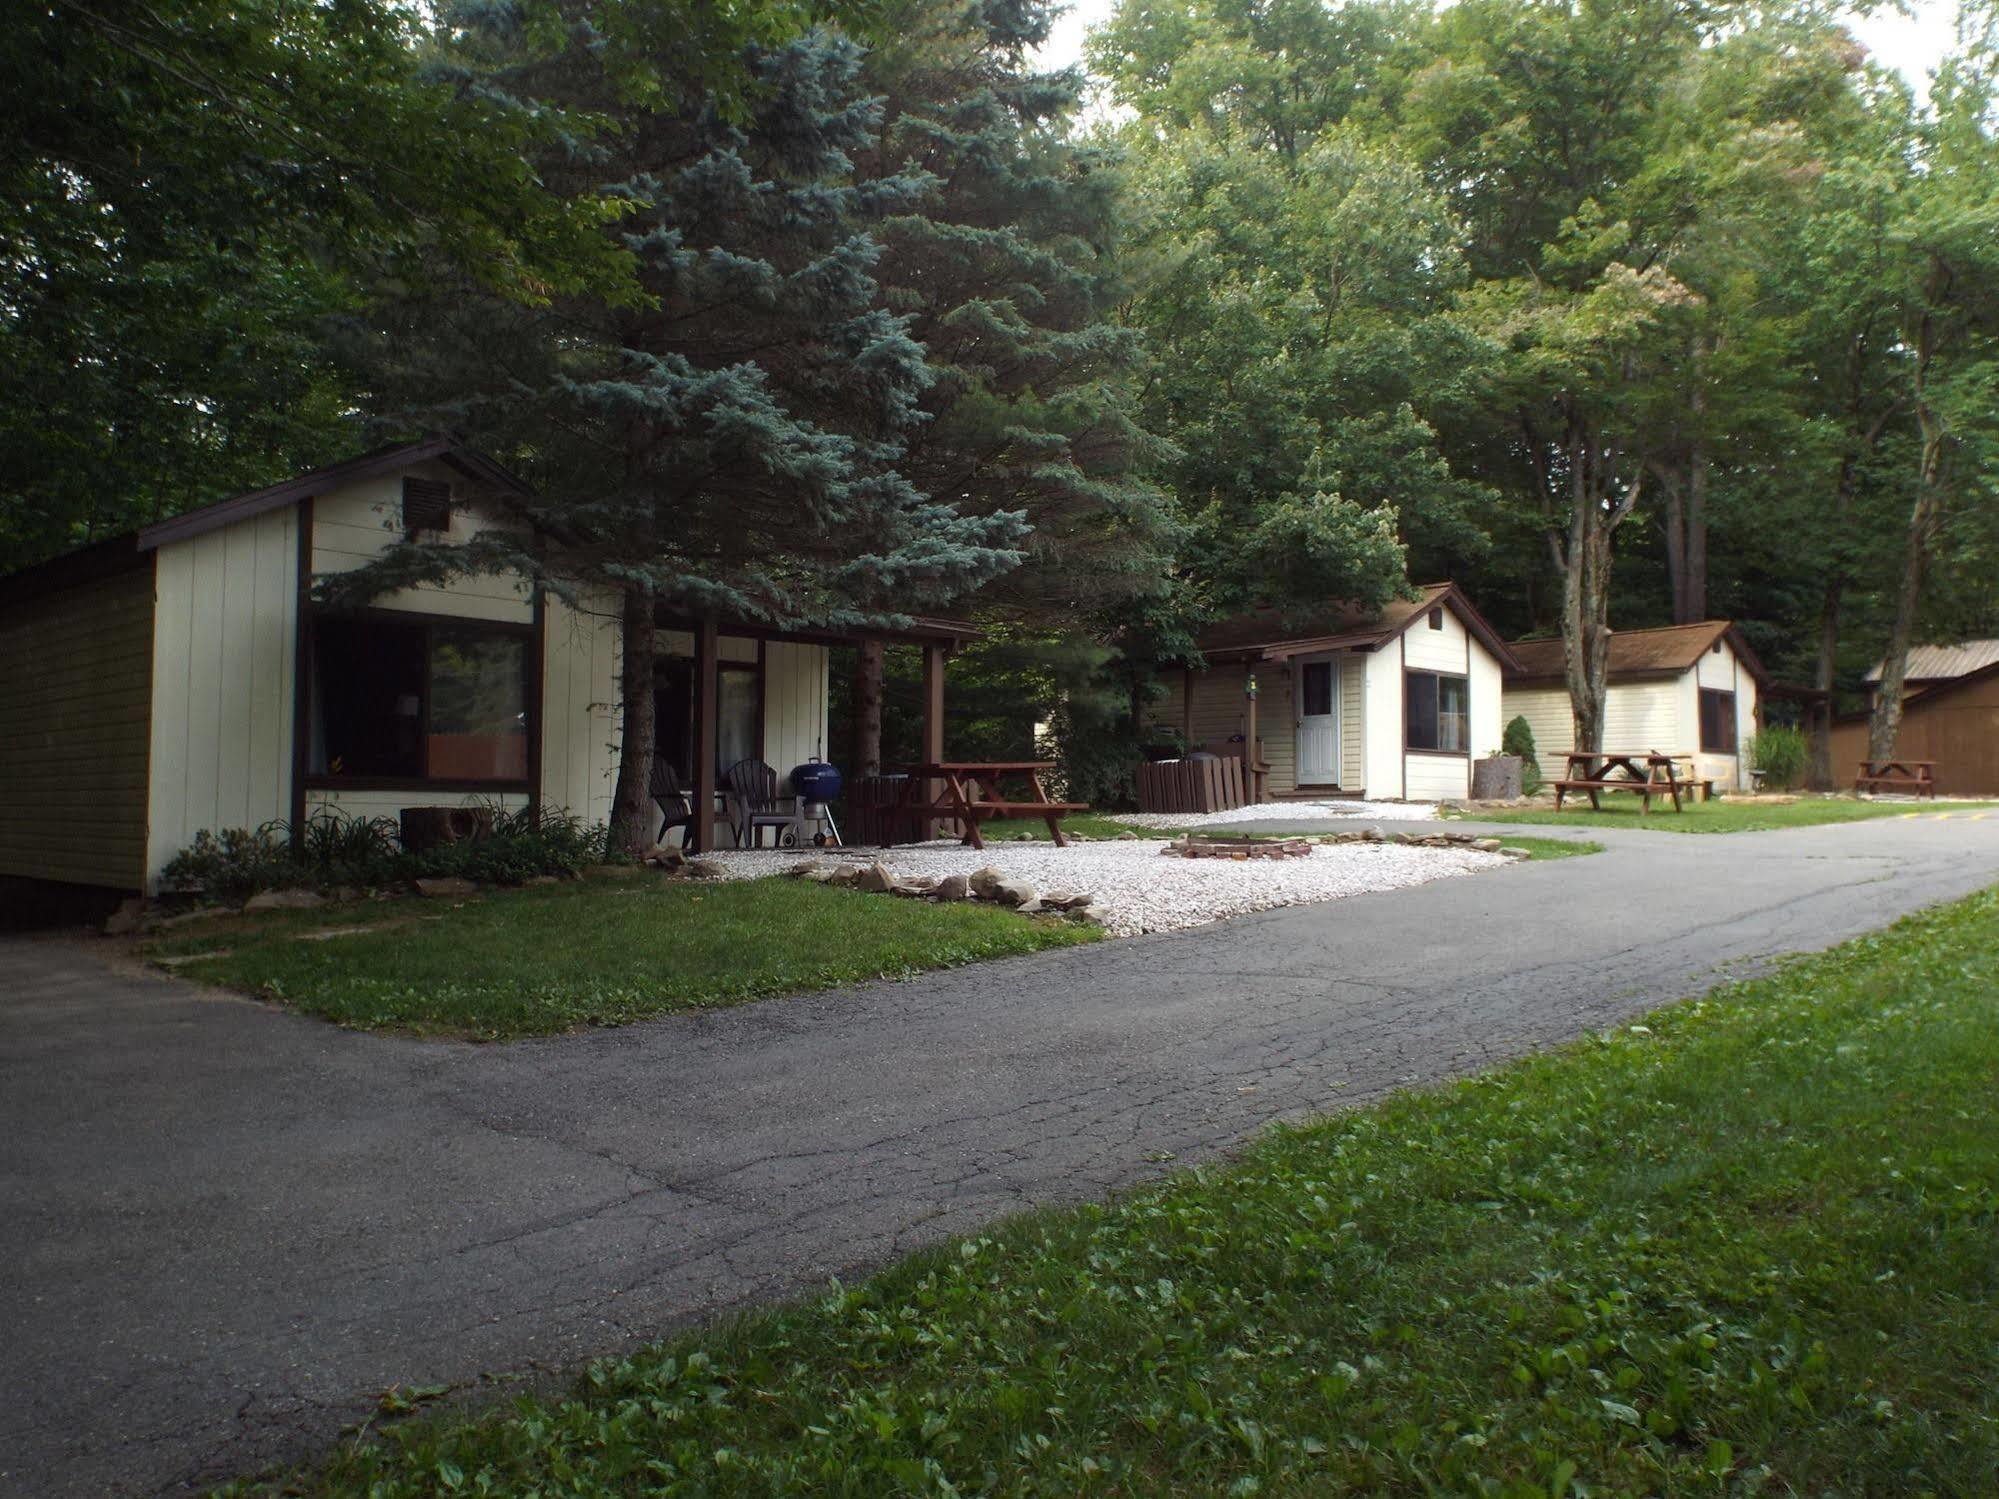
[405, 700]
[1717, 722]
[1437, 710]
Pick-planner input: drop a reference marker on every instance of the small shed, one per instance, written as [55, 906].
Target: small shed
[1393, 703]
[1950, 714]
[1692, 690]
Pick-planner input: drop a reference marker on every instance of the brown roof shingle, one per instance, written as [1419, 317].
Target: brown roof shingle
[1267, 633]
[1665, 651]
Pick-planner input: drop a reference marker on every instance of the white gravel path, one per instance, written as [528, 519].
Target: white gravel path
[1137, 889]
[1283, 812]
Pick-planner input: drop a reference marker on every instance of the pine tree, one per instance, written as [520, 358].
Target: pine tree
[725, 439]
[1006, 276]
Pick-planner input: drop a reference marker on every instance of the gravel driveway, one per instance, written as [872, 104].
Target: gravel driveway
[1134, 889]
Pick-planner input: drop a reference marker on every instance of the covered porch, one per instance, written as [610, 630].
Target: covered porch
[728, 691]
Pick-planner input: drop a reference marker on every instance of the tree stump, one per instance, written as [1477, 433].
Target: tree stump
[1496, 778]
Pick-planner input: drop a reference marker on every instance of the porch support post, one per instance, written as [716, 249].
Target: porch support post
[934, 654]
[707, 745]
[1187, 705]
[1251, 759]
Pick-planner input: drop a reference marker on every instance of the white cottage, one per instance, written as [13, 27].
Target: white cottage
[1692, 690]
[1393, 705]
[182, 678]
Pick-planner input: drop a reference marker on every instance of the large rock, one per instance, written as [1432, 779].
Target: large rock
[878, 879]
[1487, 845]
[953, 887]
[705, 869]
[285, 900]
[127, 919]
[1016, 893]
[446, 887]
[985, 882]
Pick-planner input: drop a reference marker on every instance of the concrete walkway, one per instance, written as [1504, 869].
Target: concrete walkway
[227, 1229]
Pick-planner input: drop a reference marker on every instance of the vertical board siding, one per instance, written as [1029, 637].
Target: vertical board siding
[222, 651]
[580, 719]
[794, 707]
[75, 701]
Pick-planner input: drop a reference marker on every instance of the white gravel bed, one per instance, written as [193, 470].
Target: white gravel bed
[1137, 889]
[1283, 812]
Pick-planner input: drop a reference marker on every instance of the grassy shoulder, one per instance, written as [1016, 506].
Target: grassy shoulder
[510, 963]
[1745, 1246]
[1729, 815]
[1554, 848]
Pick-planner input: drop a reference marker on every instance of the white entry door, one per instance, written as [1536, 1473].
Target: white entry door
[1319, 721]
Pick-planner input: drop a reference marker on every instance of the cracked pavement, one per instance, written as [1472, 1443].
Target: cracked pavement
[228, 1229]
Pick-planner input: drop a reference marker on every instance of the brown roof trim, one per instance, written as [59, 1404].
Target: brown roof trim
[102, 559]
[1702, 633]
[921, 628]
[1476, 622]
[475, 465]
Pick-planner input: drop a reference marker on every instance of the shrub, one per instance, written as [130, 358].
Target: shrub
[331, 848]
[1519, 740]
[1781, 754]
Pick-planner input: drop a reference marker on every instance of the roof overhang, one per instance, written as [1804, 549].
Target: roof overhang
[921, 630]
[474, 465]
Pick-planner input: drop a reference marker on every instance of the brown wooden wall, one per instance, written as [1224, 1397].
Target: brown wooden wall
[76, 673]
[1956, 727]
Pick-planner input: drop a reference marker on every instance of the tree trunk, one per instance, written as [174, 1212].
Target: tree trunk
[1691, 605]
[1586, 625]
[631, 810]
[1886, 724]
[1819, 773]
[868, 671]
[1924, 519]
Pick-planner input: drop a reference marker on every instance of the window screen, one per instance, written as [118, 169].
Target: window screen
[1315, 689]
[407, 700]
[1437, 710]
[1717, 721]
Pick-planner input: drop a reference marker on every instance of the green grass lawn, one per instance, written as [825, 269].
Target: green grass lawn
[1746, 1246]
[1731, 815]
[1554, 848]
[528, 962]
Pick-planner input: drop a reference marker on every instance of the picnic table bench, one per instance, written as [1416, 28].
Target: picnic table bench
[1645, 775]
[1917, 777]
[970, 792]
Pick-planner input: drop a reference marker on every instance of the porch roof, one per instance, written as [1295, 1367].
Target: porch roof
[921, 629]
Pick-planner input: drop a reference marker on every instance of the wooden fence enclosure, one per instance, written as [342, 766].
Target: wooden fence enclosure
[1205, 785]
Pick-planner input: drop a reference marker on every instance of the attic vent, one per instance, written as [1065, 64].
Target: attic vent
[426, 505]
[1436, 619]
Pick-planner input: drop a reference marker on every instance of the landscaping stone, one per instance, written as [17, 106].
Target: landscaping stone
[1516, 853]
[806, 871]
[445, 888]
[1127, 836]
[1486, 845]
[188, 918]
[985, 882]
[1015, 893]
[285, 900]
[705, 869]
[953, 887]
[127, 919]
[844, 876]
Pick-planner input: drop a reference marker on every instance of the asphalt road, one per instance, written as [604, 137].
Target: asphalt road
[227, 1229]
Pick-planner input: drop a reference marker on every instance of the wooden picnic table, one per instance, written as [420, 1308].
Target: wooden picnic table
[971, 791]
[1644, 773]
[1917, 777]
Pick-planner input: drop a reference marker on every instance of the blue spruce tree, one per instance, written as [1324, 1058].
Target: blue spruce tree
[727, 438]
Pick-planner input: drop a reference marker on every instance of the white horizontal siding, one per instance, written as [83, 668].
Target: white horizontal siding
[1432, 778]
[356, 523]
[390, 804]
